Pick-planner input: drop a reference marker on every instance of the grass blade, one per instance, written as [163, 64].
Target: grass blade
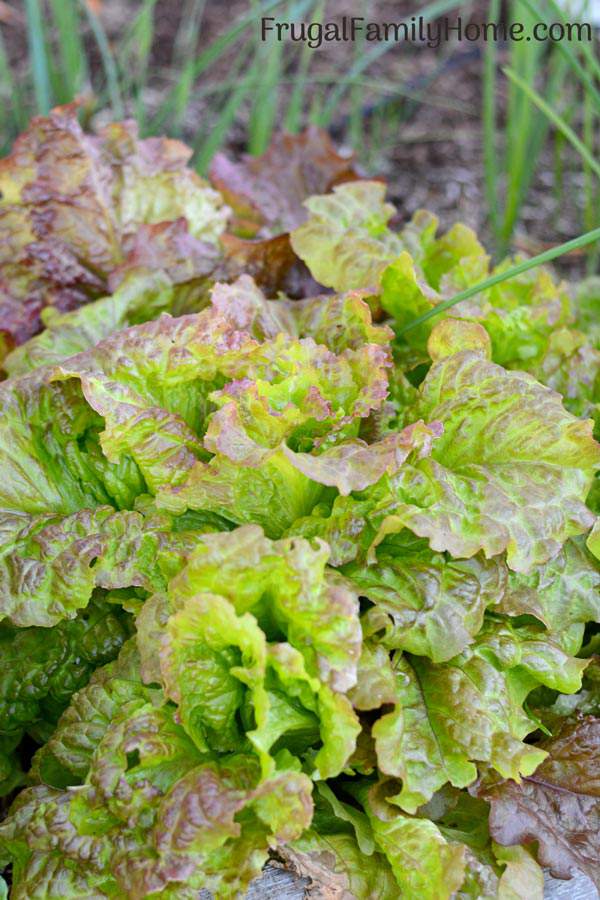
[140, 43]
[585, 77]
[264, 107]
[556, 119]
[38, 57]
[65, 16]
[186, 42]
[583, 240]
[206, 149]
[108, 62]
[586, 49]
[205, 59]
[11, 104]
[491, 164]
[292, 121]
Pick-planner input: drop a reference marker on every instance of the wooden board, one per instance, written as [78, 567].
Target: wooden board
[276, 884]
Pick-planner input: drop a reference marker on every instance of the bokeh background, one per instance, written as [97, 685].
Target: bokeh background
[504, 137]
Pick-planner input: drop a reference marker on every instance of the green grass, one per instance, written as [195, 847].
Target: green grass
[547, 85]
[275, 85]
[590, 239]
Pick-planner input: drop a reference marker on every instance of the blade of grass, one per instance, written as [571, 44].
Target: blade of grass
[538, 127]
[521, 128]
[586, 77]
[583, 240]
[108, 61]
[38, 57]
[292, 121]
[186, 41]
[590, 209]
[132, 57]
[65, 16]
[265, 101]
[586, 49]
[269, 61]
[556, 119]
[139, 45]
[12, 105]
[491, 163]
[207, 57]
[265, 106]
[357, 96]
[206, 149]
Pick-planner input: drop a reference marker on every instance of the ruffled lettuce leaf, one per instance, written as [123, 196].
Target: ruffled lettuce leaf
[156, 420]
[218, 667]
[41, 668]
[508, 449]
[165, 803]
[289, 582]
[338, 321]
[373, 851]
[558, 807]
[346, 242]
[296, 397]
[167, 273]
[66, 509]
[113, 689]
[422, 861]
[564, 593]
[425, 603]
[266, 192]
[54, 564]
[449, 716]
[72, 205]
[153, 817]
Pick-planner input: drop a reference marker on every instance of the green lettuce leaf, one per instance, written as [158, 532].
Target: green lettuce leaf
[152, 813]
[55, 563]
[593, 540]
[564, 593]
[112, 690]
[508, 450]
[41, 668]
[294, 397]
[218, 666]
[424, 603]
[346, 242]
[175, 830]
[422, 861]
[449, 716]
[289, 584]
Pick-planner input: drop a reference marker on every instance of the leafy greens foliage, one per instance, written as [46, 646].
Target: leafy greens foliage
[275, 577]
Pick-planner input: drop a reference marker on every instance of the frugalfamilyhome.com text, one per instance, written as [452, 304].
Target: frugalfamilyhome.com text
[417, 29]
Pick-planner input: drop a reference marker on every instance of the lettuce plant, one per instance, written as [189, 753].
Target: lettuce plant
[275, 576]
